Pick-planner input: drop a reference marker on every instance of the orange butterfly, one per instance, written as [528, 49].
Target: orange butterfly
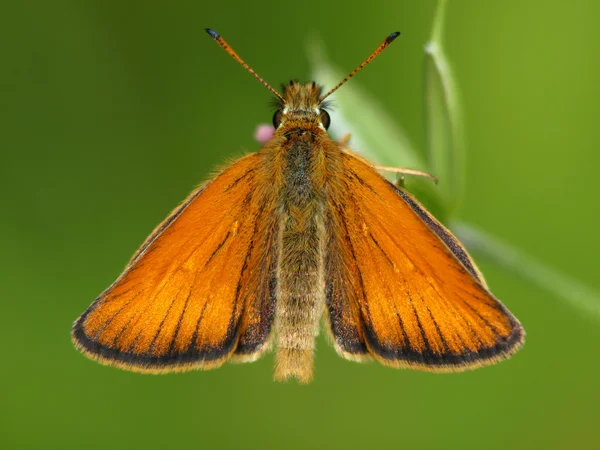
[302, 229]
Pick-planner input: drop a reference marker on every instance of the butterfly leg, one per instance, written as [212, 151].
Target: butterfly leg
[345, 139]
[418, 173]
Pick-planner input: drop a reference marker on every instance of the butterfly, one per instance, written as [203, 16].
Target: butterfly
[300, 231]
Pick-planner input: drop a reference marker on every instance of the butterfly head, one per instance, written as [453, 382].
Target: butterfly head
[301, 102]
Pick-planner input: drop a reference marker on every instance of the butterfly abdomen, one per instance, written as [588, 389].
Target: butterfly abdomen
[300, 280]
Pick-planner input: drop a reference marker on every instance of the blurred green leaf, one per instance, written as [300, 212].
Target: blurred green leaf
[515, 261]
[374, 134]
[444, 137]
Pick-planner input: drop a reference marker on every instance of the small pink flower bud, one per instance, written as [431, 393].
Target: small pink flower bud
[263, 133]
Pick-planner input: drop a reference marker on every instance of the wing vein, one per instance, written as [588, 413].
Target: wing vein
[180, 320]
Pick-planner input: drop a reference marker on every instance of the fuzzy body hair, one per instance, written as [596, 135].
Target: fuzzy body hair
[300, 270]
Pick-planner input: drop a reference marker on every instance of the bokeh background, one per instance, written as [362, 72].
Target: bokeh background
[113, 111]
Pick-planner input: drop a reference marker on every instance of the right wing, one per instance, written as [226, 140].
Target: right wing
[401, 288]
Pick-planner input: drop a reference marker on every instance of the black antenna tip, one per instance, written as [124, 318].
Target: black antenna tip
[213, 33]
[392, 36]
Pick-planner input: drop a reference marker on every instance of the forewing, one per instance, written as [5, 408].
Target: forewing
[198, 285]
[404, 290]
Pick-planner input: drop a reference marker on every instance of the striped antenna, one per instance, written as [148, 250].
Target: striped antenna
[225, 46]
[378, 50]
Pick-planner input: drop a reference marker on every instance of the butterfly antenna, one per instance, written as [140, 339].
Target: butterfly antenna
[225, 46]
[378, 50]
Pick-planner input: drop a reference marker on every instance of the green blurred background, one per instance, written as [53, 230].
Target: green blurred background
[113, 111]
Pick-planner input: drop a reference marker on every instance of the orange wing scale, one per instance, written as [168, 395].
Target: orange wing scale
[407, 294]
[179, 303]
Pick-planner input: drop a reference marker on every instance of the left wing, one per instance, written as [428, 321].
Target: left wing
[199, 289]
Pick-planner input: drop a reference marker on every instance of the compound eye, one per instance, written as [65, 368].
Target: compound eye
[277, 118]
[325, 119]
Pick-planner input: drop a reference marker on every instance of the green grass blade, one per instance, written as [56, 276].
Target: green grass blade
[444, 137]
[515, 261]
